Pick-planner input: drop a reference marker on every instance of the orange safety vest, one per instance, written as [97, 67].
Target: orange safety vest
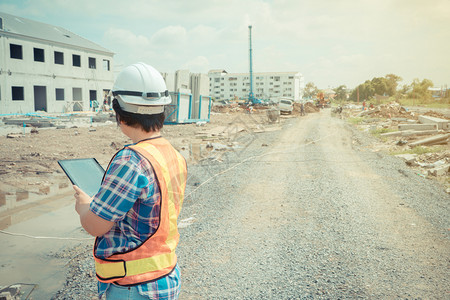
[155, 258]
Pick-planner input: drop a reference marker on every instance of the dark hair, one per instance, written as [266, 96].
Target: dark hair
[146, 122]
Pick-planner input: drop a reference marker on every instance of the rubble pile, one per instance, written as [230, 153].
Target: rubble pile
[225, 108]
[435, 114]
[431, 164]
[403, 130]
[391, 110]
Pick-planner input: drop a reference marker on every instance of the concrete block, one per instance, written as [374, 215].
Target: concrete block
[438, 139]
[417, 127]
[441, 123]
[439, 171]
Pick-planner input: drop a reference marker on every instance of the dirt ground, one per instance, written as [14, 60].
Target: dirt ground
[29, 170]
[28, 162]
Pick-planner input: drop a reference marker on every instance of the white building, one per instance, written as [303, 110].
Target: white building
[266, 86]
[48, 68]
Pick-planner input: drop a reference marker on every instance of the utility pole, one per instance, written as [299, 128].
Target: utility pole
[357, 94]
[250, 95]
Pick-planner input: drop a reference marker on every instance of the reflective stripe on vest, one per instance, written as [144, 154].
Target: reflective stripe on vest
[156, 257]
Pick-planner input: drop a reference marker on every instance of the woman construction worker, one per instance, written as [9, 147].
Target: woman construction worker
[134, 214]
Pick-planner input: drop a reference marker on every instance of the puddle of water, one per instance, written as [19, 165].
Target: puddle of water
[31, 200]
[26, 260]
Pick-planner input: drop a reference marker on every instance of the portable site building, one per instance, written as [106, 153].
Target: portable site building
[190, 100]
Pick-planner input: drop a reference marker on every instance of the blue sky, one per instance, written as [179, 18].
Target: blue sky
[331, 42]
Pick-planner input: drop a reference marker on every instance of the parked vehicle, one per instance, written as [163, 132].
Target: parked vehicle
[286, 105]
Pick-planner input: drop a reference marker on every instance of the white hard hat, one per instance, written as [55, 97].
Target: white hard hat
[140, 88]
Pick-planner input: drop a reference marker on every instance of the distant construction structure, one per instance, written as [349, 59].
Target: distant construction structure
[267, 85]
[48, 68]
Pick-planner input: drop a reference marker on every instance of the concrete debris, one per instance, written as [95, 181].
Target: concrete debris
[439, 123]
[10, 292]
[408, 129]
[391, 110]
[273, 115]
[434, 140]
[409, 133]
[201, 123]
[14, 135]
[439, 171]
[418, 127]
[410, 159]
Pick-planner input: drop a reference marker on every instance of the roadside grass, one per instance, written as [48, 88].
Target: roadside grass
[420, 150]
[355, 120]
[377, 133]
[431, 103]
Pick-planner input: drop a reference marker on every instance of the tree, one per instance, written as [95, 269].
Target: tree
[310, 90]
[365, 90]
[420, 88]
[341, 92]
[392, 83]
[379, 85]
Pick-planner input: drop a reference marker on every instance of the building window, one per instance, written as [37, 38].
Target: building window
[15, 51]
[77, 94]
[59, 94]
[106, 65]
[291, 77]
[92, 63]
[76, 60]
[38, 54]
[92, 95]
[17, 93]
[59, 58]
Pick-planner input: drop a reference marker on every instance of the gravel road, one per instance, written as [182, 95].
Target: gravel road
[308, 212]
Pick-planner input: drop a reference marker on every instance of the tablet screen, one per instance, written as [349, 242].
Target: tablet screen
[86, 173]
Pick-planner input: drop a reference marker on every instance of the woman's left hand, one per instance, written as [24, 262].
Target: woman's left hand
[82, 200]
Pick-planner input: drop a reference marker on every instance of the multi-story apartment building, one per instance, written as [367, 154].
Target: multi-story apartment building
[48, 68]
[266, 86]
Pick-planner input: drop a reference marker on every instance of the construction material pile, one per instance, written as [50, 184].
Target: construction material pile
[311, 108]
[225, 108]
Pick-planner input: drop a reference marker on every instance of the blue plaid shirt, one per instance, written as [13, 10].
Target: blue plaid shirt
[130, 197]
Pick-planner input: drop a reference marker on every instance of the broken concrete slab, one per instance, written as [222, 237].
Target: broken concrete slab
[434, 140]
[439, 171]
[423, 132]
[441, 123]
[28, 122]
[408, 158]
[409, 133]
[418, 127]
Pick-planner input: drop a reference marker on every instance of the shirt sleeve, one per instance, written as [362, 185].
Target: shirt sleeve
[121, 187]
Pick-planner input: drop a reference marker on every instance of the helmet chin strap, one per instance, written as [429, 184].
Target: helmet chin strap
[140, 109]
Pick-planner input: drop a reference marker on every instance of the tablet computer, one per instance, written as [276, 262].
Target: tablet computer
[86, 173]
